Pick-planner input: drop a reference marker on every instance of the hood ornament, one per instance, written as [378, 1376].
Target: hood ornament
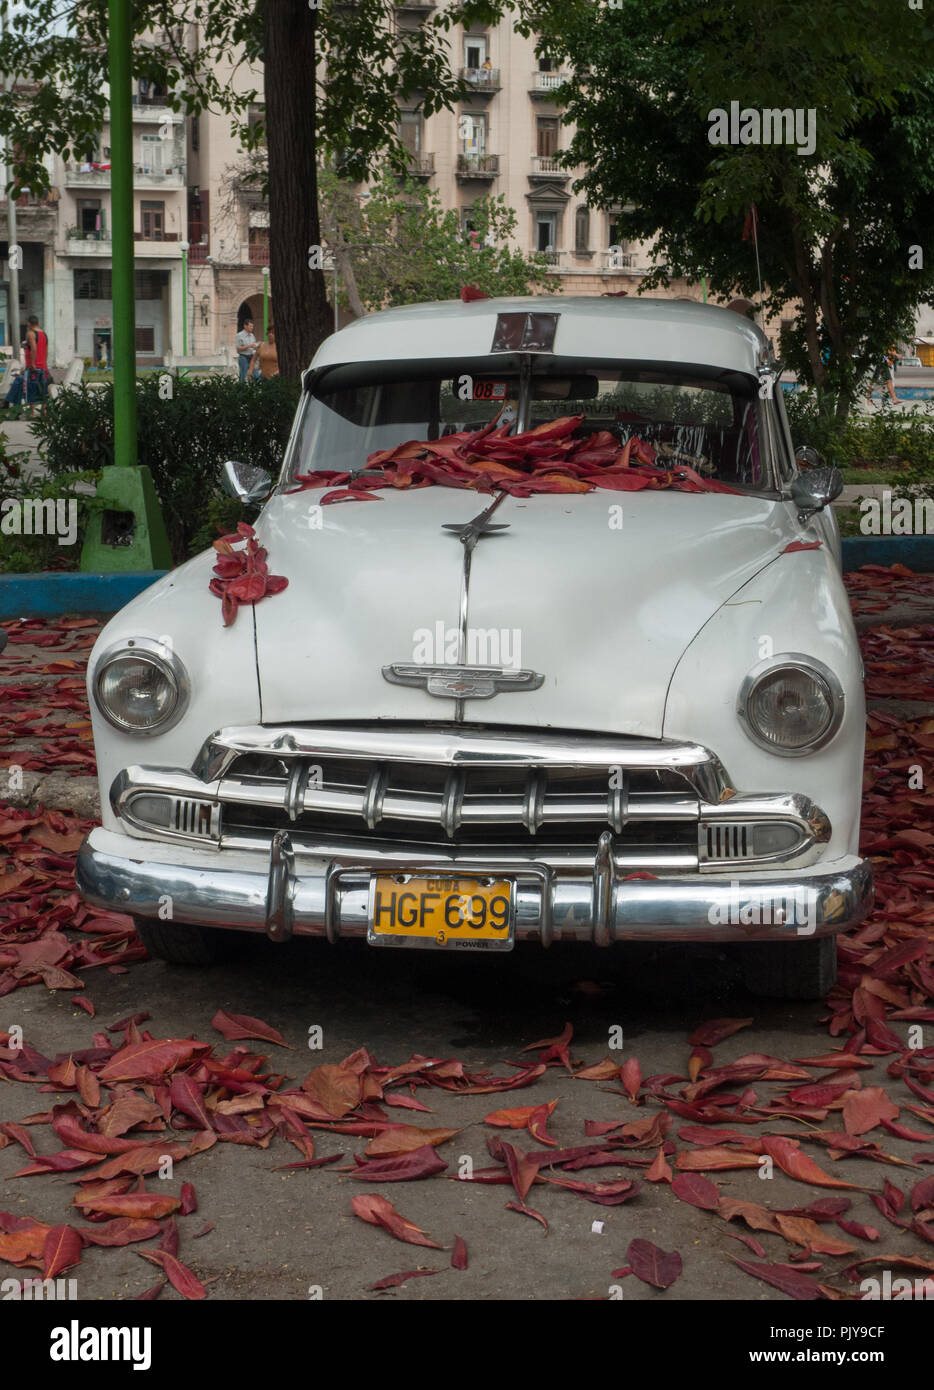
[462, 682]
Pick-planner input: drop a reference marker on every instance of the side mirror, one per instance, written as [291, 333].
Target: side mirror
[806, 457]
[244, 481]
[815, 489]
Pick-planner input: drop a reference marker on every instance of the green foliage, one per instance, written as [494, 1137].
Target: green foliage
[901, 446]
[403, 247]
[836, 226]
[183, 440]
[27, 554]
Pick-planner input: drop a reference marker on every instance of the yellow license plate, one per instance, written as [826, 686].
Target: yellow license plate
[410, 910]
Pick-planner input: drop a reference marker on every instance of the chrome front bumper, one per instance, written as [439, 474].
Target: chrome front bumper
[287, 893]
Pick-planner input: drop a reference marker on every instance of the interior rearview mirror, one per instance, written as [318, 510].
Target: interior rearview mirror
[245, 481]
[814, 490]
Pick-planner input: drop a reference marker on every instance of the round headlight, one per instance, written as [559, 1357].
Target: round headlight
[791, 704]
[140, 687]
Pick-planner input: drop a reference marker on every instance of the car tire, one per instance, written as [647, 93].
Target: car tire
[181, 944]
[791, 970]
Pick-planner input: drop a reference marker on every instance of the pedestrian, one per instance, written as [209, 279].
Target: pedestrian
[245, 343]
[884, 375]
[34, 382]
[266, 358]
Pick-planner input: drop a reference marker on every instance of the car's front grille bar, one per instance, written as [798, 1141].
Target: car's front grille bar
[537, 797]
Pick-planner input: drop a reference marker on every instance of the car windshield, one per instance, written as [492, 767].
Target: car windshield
[710, 421]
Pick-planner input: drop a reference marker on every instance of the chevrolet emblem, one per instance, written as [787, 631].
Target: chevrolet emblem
[462, 682]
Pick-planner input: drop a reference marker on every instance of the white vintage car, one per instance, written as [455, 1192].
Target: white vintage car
[633, 711]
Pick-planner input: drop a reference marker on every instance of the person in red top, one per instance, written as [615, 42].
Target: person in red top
[34, 384]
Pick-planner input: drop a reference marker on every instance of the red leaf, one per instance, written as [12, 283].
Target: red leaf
[122, 1230]
[421, 1163]
[470, 292]
[631, 1077]
[791, 1282]
[62, 1250]
[392, 1281]
[378, 1212]
[242, 1026]
[653, 1266]
[149, 1061]
[696, 1190]
[710, 1033]
[189, 1201]
[528, 1211]
[798, 1165]
[459, 1254]
[179, 1275]
[864, 1110]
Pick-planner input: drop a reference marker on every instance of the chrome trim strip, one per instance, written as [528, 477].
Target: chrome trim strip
[206, 892]
[452, 799]
[462, 682]
[619, 806]
[451, 744]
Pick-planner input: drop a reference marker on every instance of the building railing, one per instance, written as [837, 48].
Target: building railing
[478, 165]
[547, 81]
[616, 259]
[549, 164]
[484, 79]
[421, 165]
[552, 258]
[258, 253]
[198, 252]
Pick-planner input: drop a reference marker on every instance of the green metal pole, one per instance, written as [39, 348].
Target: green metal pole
[121, 195]
[265, 301]
[704, 283]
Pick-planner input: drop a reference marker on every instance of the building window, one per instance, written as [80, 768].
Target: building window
[546, 135]
[474, 52]
[410, 131]
[195, 128]
[544, 65]
[256, 122]
[473, 131]
[152, 221]
[152, 154]
[582, 229]
[146, 339]
[149, 284]
[92, 284]
[90, 222]
[546, 231]
[615, 231]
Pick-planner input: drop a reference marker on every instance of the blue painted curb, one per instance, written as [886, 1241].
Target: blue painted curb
[51, 594]
[916, 552]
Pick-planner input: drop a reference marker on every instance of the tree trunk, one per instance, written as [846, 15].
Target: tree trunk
[299, 299]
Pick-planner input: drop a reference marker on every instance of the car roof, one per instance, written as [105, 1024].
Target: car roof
[589, 326]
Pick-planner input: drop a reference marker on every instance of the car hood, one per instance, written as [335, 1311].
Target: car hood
[598, 593]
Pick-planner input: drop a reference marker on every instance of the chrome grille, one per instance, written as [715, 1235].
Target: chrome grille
[434, 804]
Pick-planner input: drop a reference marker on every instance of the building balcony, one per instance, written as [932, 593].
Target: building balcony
[171, 177]
[89, 244]
[547, 166]
[543, 85]
[154, 112]
[617, 259]
[420, 166]
[167, 249]
[477, 166]
[87, 176]
[198, 253]
[416, 4]
[554, 259]
[258, 254]
[483, 81]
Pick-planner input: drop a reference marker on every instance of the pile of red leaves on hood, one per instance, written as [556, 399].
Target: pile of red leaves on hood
[548, 458]
[242, 576]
